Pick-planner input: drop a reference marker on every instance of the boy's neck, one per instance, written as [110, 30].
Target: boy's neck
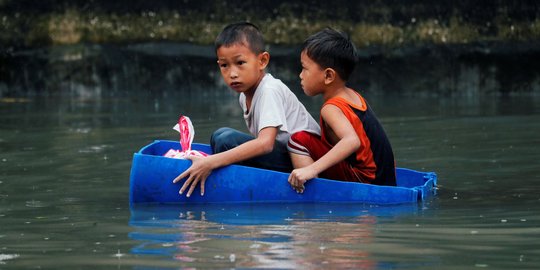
[334, 91]
[251, 92]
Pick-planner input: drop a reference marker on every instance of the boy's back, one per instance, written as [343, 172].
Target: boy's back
[275, 105]
[374, 159]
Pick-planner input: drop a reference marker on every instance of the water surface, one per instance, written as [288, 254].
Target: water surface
[66, 149]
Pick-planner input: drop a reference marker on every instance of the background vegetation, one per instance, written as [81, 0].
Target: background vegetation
[379, 23]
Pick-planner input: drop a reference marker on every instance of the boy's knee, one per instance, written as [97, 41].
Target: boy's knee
[226, 138]
[221, 133]
[302, 136]
[297, 142]
[219, 139]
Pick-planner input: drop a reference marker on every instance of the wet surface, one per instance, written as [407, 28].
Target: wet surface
[65, 159]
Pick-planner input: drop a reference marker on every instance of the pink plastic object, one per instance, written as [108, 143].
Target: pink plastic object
[187, 132]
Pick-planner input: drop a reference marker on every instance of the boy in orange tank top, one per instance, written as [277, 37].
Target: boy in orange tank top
[353, 146]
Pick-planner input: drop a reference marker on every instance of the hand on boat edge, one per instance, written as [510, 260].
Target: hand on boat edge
[299, 177]
[198, 172]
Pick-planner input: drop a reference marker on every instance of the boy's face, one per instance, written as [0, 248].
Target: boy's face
[312, 76]
[241, 69]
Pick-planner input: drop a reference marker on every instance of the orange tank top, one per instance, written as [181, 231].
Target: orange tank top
[374, 159]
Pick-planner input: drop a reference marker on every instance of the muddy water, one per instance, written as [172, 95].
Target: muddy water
[65, 156]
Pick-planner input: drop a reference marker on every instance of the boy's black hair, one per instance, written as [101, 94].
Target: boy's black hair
[241, 32]
[332, 49]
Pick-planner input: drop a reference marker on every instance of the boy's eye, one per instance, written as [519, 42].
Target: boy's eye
[222, 65]
[241, 62]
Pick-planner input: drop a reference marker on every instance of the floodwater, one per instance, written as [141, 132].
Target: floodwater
[71, 119]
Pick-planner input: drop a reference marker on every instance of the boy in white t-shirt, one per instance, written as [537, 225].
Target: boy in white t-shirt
[271, 111]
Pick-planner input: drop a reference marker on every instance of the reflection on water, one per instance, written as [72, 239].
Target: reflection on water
[71, 124]
[281, 236]
[87, 71]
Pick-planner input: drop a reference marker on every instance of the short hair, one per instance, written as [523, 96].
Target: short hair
[241, 33]
[330, 48]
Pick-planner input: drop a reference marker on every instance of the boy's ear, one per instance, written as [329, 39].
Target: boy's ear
[264, 59]
[329, 76]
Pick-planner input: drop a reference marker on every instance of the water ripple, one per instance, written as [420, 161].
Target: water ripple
[35, 204]
[5, 257]
[94, 149]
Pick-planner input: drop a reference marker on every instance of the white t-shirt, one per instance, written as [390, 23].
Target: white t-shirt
[275, 105]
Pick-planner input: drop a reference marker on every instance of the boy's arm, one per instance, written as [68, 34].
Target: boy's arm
[348, 143]
[201, 167]
[263, 144]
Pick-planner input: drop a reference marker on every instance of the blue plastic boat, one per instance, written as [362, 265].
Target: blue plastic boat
[152, 175]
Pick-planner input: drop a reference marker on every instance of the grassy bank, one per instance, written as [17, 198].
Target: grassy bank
[379, 23]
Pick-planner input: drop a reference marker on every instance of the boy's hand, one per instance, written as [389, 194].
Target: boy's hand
[299, 177]
[200, 169]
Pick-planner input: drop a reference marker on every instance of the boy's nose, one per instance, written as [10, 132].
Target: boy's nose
[233, 74]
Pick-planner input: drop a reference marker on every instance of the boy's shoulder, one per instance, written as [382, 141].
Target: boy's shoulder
[270, 81]
[357, 101]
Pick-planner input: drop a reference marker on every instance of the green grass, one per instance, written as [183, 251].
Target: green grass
[72, 27]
